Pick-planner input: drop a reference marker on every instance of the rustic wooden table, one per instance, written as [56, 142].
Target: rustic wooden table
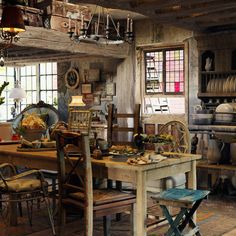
[136, 174]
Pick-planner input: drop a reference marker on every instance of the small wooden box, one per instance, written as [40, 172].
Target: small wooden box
[57, 14]
[32, 16]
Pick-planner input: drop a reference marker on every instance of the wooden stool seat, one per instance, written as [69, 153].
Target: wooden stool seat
[188, 200]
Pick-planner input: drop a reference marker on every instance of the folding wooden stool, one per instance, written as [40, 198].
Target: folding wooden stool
[188, 200]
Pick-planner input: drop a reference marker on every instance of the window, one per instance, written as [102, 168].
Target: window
[164, 71]
[6, 74]
[39, 82]
[164, 81]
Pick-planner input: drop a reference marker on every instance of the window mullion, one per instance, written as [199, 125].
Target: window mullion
[164, 71]
[38, 82]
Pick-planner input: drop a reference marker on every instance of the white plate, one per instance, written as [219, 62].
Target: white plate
[209, 86]
[228, 84]
[231, 89]
[234, 84]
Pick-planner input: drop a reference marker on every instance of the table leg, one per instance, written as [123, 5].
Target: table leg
[141, 205]
[192, 181]
[192, 176]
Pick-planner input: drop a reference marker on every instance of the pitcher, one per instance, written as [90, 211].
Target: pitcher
[213, 151]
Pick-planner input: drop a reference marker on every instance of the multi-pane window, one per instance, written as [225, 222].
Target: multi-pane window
[164, 81]
[39, 81]
[28, 81]
[48, 82]
[164, 71]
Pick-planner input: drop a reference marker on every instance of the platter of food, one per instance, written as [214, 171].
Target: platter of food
[123, 150]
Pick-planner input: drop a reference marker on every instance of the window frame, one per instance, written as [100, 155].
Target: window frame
[164, 50]
[17, 77]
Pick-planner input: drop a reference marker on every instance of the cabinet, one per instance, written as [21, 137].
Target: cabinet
[216, 86]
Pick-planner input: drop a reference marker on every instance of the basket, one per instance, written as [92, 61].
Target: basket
[33, 134]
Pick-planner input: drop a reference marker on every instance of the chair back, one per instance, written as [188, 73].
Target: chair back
[114, 129]
[74, 166]
[80, 121]
[181, 136]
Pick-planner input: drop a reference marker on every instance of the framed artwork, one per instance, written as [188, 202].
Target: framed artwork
[96, 100]
[149, 128]
[72, 78]
[92, 75]
[86, 88]
[111, 89]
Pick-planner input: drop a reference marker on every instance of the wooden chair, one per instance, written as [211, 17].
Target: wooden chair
[24, 187]
[181, 144]
[113, 128]
[188, 201]
[79, 121]
[73, 154]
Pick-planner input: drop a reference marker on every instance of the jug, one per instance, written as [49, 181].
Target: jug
[213, 151]
[208, 64]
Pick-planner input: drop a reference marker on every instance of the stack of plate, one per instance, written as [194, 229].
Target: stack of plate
[227, 85]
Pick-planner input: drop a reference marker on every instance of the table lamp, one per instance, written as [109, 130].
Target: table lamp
[77, 101]
[17, 94]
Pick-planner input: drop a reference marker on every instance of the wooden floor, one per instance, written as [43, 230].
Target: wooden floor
[216, 217]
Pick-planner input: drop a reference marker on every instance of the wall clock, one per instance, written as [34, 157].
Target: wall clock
[72, 78]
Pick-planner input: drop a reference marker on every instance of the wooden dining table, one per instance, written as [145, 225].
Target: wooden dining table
[114, 169]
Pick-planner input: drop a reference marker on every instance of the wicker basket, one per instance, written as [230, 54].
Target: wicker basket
[33, 134]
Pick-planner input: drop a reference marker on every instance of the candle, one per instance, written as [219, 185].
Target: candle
[95, 28]
[127, 29]
[69, 24]
[107, 21]
[82, 21]
[118, 28]
[131, 25]
[76, 27]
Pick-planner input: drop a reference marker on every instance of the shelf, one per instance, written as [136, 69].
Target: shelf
[216, 95]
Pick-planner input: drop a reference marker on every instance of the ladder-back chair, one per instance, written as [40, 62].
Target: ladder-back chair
[74, 162]
[80, 121]
[113, 129]
[181, 144]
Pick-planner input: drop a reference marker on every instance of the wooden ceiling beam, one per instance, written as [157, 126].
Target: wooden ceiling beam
[54, 40]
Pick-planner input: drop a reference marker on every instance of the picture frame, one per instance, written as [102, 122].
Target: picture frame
[150, 129]
[111, 89]
[86, 88]
[96, 100]
[92, 75]
[72, 78]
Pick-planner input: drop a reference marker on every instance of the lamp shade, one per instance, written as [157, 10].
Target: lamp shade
[77, 101]
[17, 93]
[12, 20]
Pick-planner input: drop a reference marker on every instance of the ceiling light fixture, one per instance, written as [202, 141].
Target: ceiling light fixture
[11, 24]
[101, 29]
